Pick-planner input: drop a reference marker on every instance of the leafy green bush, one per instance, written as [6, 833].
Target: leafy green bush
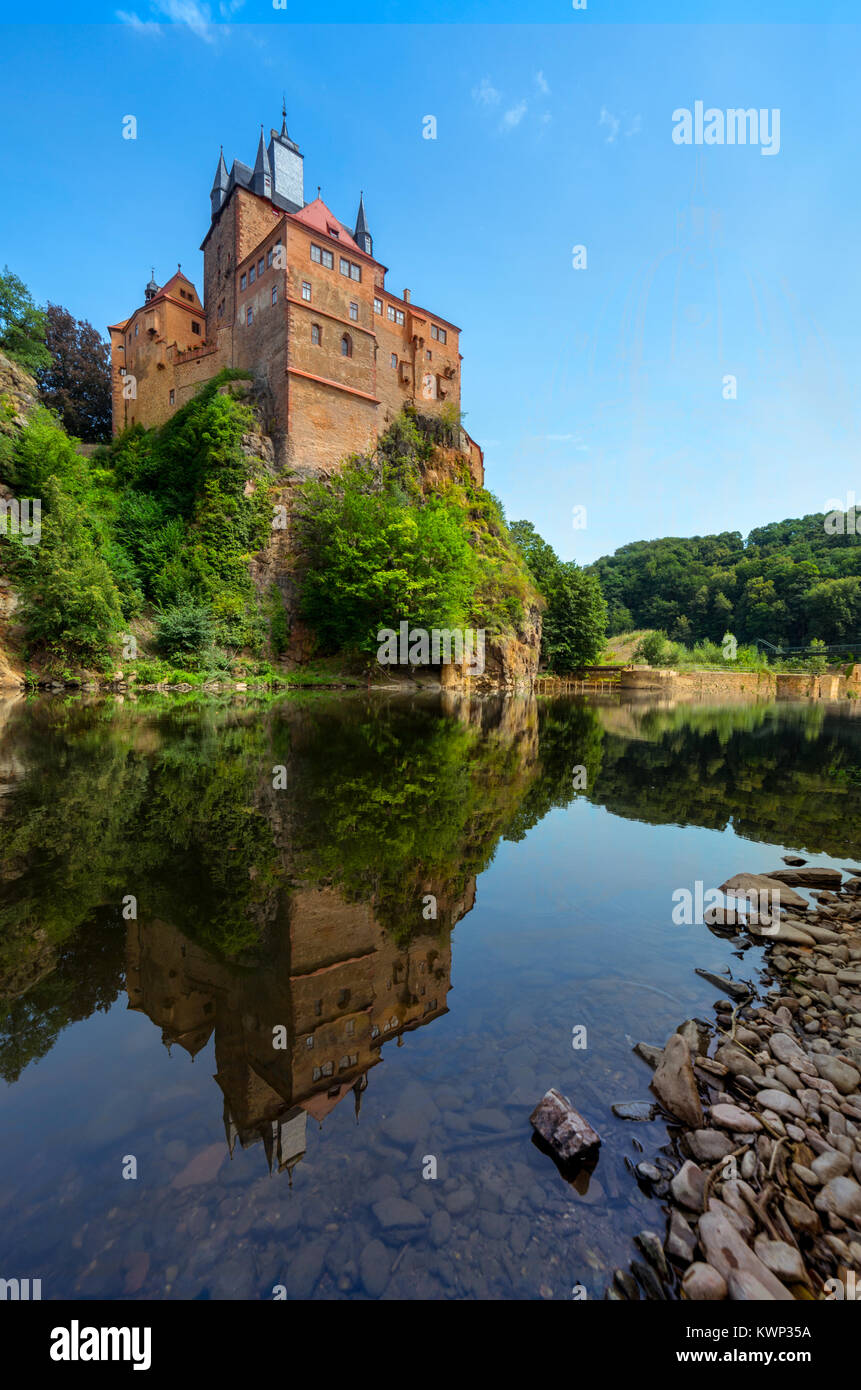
[185, 629]
[71, 602]
[653, 648]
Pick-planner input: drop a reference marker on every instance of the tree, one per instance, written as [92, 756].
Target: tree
[71, 602]
[76, 383]
[22, 324]
[575, 622]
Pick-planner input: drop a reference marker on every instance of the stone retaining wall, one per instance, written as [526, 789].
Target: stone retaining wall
[743, 685]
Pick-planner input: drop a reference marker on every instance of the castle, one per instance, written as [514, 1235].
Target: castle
[298, 299]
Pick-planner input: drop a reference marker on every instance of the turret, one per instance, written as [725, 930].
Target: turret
[219, 186]
[361, 235]
[152, 288]
[261, 179]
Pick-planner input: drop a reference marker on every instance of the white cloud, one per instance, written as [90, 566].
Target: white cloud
[543, 84]
[611, 122]
[197, 17]
[190, 14]
[485, 94]
[513, 116]
[140, 26]
[635, 127]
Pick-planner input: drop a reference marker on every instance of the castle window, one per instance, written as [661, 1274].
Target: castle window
[195, 327]
[242, 281]
[260, 266]
[173, 398]
[315, 334]
[394, 359]
[346, 346]
[390, 312]
[438, 333]
[345, 266]
[274, 294]
[309, 1041]
[137, 326]
[316, 253]
[306, 290]
[378, 306]
[251, 275]
[355, 271]
[428, 354]
[328, 260]
[354, 310]
[249, 316]
[269, 256]
[399, 316]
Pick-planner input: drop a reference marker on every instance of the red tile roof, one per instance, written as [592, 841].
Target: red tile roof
[317, 216]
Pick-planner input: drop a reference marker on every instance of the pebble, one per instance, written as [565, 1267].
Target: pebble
[681, 1241]
[780, 1103]
[782, 1259]
[701, 1283]
[375, 1265]
[651, 1246]
[440, 1227]
[396, 1212]
[708, 1145]
[845, 1078]
[734, 1118]
[840, 1195]
[688, 1186]
[831, 1164]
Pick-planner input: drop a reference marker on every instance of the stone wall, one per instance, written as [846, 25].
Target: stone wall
[743, 685]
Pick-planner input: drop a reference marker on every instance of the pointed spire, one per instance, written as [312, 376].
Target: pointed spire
[284, 135]
[361, 235]
[219, 183]
[261, 181]
[261, 162]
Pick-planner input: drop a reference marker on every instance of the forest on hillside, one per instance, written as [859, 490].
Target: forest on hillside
[788, 583]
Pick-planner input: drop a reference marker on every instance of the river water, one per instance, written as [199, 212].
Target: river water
[281, 981]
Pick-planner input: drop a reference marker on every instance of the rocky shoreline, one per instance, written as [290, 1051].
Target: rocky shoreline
[762, 1174]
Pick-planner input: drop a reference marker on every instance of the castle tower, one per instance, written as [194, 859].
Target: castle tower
[287, 166]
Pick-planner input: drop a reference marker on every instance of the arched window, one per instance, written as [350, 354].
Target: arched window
[346, 346]
[315, 333]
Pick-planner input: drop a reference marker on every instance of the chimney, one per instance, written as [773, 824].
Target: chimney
[407, 296]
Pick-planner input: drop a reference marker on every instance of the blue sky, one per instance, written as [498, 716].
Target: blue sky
[600, 388]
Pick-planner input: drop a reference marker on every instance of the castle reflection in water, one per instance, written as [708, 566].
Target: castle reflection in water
[294, 1037]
